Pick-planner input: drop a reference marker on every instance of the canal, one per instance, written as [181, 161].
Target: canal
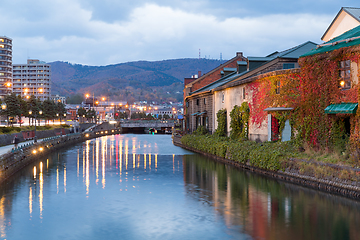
[143, 187]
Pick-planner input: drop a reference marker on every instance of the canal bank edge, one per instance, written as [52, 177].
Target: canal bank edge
[303, 180]
[12, 162]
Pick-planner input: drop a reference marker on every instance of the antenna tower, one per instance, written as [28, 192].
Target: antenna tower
[220, 56]
[199, 54]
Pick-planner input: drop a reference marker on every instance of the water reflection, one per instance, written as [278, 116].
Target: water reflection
[267, 209]
[127, 187]
[99, 162]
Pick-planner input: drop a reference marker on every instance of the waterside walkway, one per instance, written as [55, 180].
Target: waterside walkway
[13, 159]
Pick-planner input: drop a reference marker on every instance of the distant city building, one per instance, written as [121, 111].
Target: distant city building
[32, 78]
[5, 66]
[57, 98]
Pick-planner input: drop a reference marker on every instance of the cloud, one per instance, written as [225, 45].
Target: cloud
[68, 31]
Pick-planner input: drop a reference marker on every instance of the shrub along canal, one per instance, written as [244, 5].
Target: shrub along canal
[143, 187]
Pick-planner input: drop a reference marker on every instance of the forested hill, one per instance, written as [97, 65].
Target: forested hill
[142, 80]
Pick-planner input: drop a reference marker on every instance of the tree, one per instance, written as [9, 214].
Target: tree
[123, 115]
[23, 108]
[12, 107]
[75, 99]
[149, 116]
[60, 110]
[34, 106]
[49, 110]
[81, 112]
[91, 114]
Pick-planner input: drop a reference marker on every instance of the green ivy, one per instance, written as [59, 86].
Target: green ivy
[201, 130]
[221, 130]
[268, 155]
[239, 123]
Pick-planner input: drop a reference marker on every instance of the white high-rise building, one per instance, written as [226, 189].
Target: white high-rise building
[32, 78]
[5, 66]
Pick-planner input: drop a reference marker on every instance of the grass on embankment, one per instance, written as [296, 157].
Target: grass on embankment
[275, 156]
[10, 130]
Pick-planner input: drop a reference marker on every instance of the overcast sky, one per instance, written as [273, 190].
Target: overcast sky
[102, 32]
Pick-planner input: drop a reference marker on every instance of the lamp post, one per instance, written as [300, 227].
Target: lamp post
[3, 106]
[35, 115]
[87, 95]
[113, 105]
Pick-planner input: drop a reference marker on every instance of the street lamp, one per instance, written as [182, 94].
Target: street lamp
[35, 115]
[3, 106]
[114, 108]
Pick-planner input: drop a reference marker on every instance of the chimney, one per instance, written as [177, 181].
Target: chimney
[199, 74]
[239, 54]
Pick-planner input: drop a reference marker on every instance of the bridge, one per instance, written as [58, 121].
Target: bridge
[143, 126]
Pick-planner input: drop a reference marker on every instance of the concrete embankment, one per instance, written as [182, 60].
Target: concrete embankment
[6, 139]
[18, 158]
[335, 187]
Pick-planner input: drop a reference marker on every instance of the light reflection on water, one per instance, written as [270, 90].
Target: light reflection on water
[143, 187]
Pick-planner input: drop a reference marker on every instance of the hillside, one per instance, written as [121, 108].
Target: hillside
[131, 81]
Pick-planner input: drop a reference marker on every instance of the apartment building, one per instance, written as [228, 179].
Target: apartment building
[5, 66]
[32, 78]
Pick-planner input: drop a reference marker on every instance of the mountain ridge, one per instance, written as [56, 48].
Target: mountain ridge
[145, 80]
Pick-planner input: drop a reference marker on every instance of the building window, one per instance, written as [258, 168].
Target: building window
[223, 97]
[197, 101]
[277, 90]
[288, 65]
[345, 75]
[204, 101]
[187, 104]
[244, 93]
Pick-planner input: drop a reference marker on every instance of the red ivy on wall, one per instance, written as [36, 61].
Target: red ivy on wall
[309, 91]
[274, 129]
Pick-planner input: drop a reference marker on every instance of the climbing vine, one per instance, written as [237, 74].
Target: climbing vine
[239, 122]
[309, 91]
[221, 119]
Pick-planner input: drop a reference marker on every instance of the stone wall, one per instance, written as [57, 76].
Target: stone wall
[335, 187]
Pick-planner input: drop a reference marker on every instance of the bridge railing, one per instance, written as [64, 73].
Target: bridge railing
[147, 121]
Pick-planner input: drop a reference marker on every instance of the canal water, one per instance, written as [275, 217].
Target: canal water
[143, 187]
